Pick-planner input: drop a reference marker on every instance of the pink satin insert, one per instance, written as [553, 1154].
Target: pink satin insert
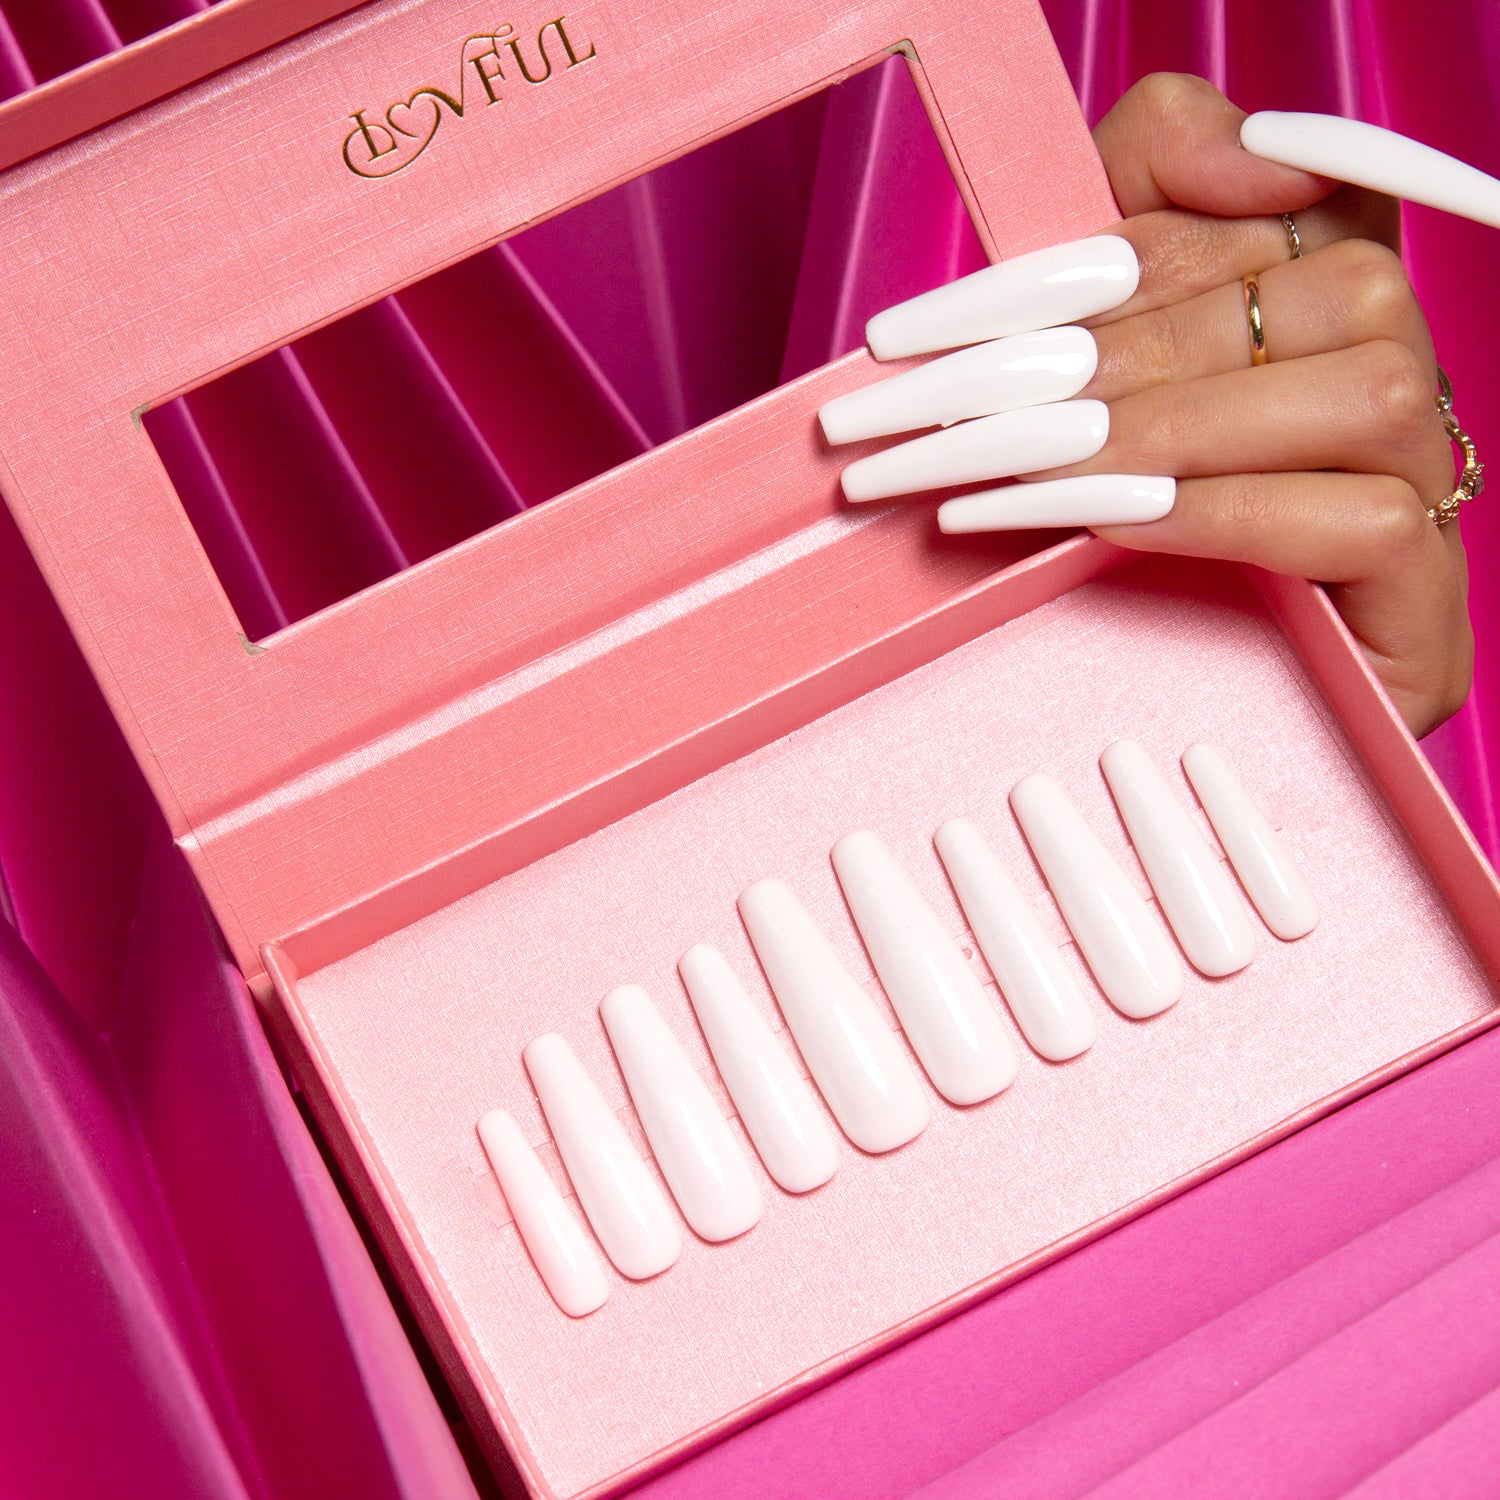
[425, 1028]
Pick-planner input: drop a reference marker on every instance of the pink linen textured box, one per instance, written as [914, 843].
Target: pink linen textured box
[451, 812]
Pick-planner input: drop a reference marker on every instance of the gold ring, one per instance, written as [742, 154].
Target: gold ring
[1293, 239]
[1258, 355]
[1471, 476]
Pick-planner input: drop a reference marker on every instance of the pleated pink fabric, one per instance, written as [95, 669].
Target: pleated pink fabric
[187, 1306]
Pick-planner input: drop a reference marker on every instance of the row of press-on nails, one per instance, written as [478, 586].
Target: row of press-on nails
[1010, 395]
[854, 1058]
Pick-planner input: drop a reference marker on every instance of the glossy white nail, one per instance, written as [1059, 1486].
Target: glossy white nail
[691, 1140]
[948, 1019]
[559, 1249]
[1044, 997]
[1014, 442]
[852, 1054]
[1191, 885]
[1372, 157]
[1116, 933]
[627, 1209]
[1027, 369]
[1061, 284]
[1084, 500]
[1265, 866]
[775, 1104]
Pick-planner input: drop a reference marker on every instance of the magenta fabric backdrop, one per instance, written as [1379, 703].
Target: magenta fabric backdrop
[187, 1306]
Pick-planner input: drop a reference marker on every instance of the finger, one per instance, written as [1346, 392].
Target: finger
[1352, 292]
[1183, 255]
[1390, 571]
[1369, 409]
[1175, 139]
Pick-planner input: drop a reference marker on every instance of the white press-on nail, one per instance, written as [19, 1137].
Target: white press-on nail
[691, 1140]
[851, 1052]
[1084, 500]
[1014, 442]
[943, 1009]
[1117, 935]
[1262, 861]
[1033, 976]
[1061, 284]
[559, 1249]
[1372, 157]
[776, 1106]
[1194, 891]
[1027, 369]
[616, 1189]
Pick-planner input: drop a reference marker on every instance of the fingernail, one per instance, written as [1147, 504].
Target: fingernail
[1354, 151]
[1085, 500]
[1062, 284]
[1122, 943]
[1191, 887]
[776, 1106]
[691, 1140]
[616, 1190]
[1040, 989]
[851, 1052]
[952, 1027]
[1028, 369]
[553, 1237]
[1014, 442]
[1265, 866]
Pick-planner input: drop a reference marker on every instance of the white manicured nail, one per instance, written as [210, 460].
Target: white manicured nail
[852, 1054]
[1372, 157]
[1040, 989]
[1262, 861]
[616, 1189]
[691, 1140]
[776, 1106]
[1084, 500]
[1062, 284]
[1117, 935]
[1014, 442]
[553, 1237]
[1027, 369]
[943, 1009]
[1191, 886]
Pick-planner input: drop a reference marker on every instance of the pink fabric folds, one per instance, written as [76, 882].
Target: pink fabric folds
[187, 1306]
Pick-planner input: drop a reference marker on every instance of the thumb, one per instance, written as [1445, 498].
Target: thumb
[1173, 141]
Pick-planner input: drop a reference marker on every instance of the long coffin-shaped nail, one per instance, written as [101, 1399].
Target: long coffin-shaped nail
[852, 1054]
[776, 1106]
[1032, 974]
[1195, 893]
[947, 1017]
[1062, 284]
[691, 1140]
[1262, 861]
[1124, 946]
[1084, 500]
[1352, 151]
[618, 1193]
[1027, 369]
[559, 1249]
[1014, 442]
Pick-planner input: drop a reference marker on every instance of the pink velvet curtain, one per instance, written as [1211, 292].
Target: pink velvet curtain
[186, 1305]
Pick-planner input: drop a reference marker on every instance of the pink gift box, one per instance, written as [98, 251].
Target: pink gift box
[446, 814]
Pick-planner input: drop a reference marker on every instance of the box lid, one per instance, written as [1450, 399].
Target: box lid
[376, 759]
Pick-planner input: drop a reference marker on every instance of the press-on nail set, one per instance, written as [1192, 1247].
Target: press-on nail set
[863, 1074]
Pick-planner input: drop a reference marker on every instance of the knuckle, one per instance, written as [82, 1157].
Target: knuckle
[1247, 511]
[1168, 96]
[1174, 249]
[1396, 389]
[1373, 286]
[1397, 517]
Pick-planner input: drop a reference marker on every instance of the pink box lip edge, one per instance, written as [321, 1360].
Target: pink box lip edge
[115, 84]
[1284, 599]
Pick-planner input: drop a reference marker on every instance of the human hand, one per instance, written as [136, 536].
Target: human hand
[1320, 463]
